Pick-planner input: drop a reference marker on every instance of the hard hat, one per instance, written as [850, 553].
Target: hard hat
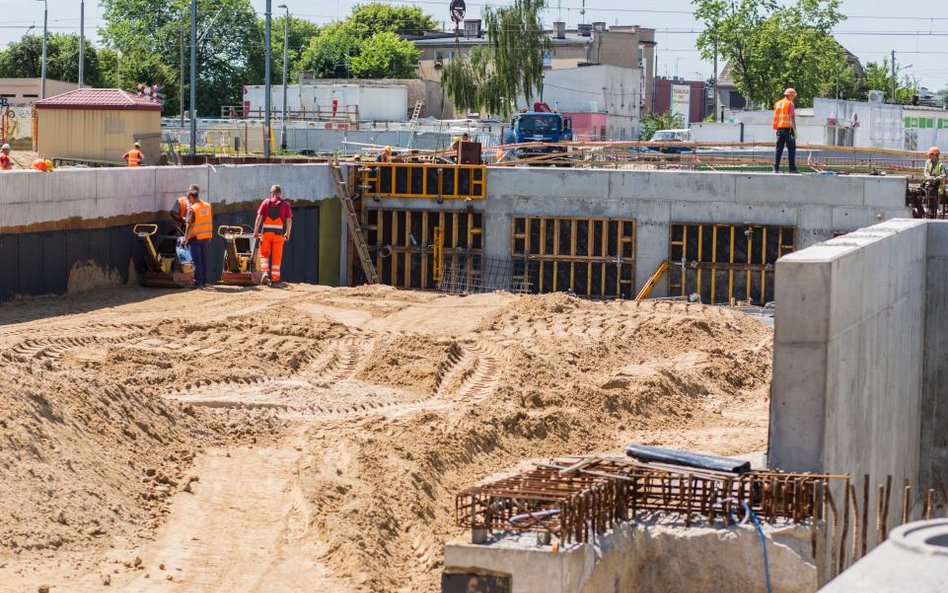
[5, 147]
[790, 91]
[456, 139]
[388, 149]
[934, 150]
[138, 144]
[49, 165]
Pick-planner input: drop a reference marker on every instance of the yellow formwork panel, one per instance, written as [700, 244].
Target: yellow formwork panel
[423, 180]
[593, 257]
[726, 262]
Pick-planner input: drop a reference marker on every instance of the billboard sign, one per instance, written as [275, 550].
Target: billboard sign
[681, 102]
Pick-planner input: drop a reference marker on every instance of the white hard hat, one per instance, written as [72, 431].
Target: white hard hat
[5, 147]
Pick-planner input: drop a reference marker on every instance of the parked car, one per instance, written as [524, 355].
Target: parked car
[679, 135]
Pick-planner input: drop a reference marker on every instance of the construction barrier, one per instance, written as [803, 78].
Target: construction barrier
[435, 181]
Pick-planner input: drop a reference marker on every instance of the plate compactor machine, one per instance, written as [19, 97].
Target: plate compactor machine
[167, 264]
[241, 257]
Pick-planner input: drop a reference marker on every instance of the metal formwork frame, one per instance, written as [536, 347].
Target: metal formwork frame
[408, 246]
[422, 180]
[741, 256]
[592, 257]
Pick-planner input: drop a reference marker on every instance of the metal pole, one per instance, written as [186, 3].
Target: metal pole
[267, 90]
[286, 40]
[894, 83]
[193, 105]
[82, 42]
[181, 78]
[43, 75]
[714, 83]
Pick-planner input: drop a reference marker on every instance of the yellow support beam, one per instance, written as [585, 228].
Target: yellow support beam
[647, 289]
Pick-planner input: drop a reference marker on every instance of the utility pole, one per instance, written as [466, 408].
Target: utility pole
[286, 41]
[266, 70]
[714, 82]
[82, 42]
[181, 82]
[893, 77]
[43, 75]
[193, 103]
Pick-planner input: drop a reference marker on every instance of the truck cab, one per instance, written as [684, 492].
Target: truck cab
[540, 125]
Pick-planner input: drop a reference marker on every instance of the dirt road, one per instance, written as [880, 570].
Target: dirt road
[264, 441]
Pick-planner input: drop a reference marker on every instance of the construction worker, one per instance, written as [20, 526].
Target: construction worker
[785, 123]
[44, 165]
[6, 162]
[179, 212]
[277, 218]
[197, 234]
[134, 157]
[385, 156]
[934, 173]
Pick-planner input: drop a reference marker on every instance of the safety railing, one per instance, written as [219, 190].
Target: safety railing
[420, 180]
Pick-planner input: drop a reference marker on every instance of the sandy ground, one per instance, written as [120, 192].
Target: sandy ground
[313, 439]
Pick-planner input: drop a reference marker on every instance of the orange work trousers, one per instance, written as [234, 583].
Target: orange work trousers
[271, 255]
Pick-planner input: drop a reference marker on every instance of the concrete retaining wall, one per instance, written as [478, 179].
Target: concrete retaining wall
[859, 354]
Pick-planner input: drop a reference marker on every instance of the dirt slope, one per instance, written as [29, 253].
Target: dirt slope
[261, 440]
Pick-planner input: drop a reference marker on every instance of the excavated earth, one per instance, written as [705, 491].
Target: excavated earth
[313, 439]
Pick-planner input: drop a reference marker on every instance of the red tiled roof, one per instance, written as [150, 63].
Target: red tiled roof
[98, 99]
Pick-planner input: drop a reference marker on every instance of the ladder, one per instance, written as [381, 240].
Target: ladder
[413, 122]
[355, 229]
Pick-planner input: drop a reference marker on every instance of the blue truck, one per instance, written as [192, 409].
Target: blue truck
[540, 125]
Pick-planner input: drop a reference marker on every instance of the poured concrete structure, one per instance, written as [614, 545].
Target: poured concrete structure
[816, 206]
[861, 355]
[639, 558]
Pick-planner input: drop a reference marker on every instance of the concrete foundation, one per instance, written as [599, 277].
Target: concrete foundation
[860, 354]
[815, 206]
[640, 558]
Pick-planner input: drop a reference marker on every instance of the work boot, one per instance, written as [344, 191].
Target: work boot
[277, 284]
[776, 168]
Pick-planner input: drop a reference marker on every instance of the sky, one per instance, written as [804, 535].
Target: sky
[916, 31]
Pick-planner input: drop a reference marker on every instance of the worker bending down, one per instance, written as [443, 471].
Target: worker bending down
[277, 218]
[179, 212]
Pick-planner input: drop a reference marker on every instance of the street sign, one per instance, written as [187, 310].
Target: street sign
[457, 11]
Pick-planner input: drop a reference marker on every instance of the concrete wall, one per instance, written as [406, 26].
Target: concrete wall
[861, 353]
[643, 558]
[54, 221]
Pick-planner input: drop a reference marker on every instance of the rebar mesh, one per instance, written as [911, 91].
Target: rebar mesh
[484, 274]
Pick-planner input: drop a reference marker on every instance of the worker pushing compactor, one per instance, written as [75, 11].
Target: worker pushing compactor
[277, 218]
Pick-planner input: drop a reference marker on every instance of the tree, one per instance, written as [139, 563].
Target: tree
[879, 78]
[385, 55]
[149, 36]
[653, 122]
[337, 51]
[24, 59]
[510, 67]
[771, 47]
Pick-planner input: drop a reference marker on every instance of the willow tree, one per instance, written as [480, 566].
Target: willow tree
[509, 67]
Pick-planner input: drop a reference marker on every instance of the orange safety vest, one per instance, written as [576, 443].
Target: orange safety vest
[183, 207]
[272, 221]
[783, 114]
[202, 227]
[39, 164]
[135, 157]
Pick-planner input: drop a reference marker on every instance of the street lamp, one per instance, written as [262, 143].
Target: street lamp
[266, 83]
[82, 41]
[45, 15]
[286, 38]
[193, 93]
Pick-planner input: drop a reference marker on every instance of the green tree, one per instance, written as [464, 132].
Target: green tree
[879, 78]
[368, 19]
[336, 52]
[510, 67]
[385, 55]
[149, 36]
[771, 47]
[653, 122]
[24, 59]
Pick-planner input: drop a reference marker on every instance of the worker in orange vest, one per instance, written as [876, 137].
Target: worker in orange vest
[198, 233]
[44, 165]
[6, 163]
[277, 218]
[134, 157]
[179, 212]
[785, 122]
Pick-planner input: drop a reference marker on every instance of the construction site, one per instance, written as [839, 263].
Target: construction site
[496, 379]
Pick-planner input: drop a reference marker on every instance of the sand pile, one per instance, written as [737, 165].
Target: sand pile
[378, 405]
